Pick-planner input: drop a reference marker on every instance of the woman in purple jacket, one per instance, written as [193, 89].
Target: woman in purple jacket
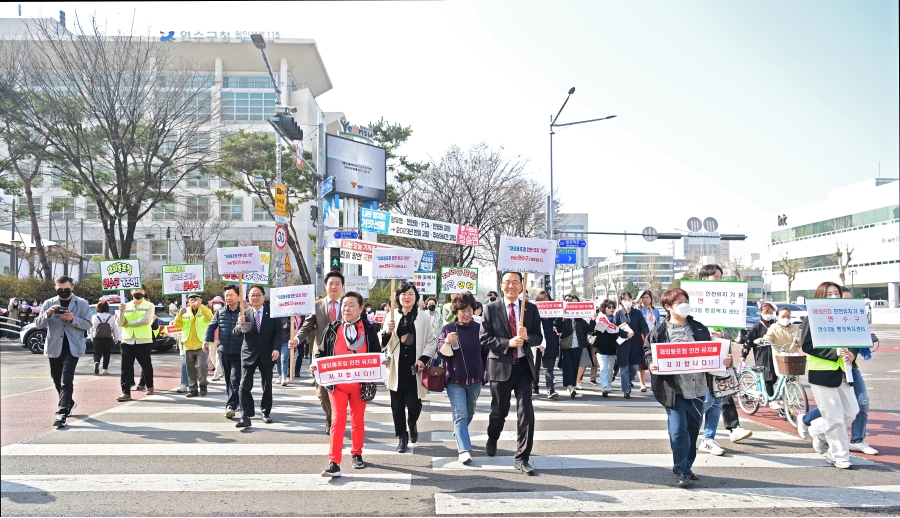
[461, 350]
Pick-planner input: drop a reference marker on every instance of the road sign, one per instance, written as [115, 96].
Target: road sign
[576, 243]
[346, 235]
[650, 234]
[566, 258]
[282, 220]
[327, 186]
[566, 251]
[280, 237]
[280, 199]
[287, 263]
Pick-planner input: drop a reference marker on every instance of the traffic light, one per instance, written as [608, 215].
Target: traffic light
[286, 126]
[335, 260]
[547, 283]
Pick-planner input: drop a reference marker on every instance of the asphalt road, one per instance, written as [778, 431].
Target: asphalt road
[166, 455]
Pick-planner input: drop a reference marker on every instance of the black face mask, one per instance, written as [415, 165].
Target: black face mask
[137, 296]
[492, 299]
[64, 293]
[431, 307]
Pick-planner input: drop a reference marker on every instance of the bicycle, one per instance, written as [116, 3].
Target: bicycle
[753, 393]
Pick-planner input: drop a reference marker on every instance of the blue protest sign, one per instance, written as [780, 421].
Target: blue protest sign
[374, 221]
[426, 263]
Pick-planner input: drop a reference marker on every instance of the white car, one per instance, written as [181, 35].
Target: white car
[798, 311]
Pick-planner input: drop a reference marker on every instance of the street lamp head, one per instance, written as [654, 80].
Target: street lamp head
[571, 90]
[258, 41]
[611, 117]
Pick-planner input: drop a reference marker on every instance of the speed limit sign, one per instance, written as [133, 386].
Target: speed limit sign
[280, 237]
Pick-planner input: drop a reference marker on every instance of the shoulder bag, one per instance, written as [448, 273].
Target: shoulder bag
[434, 378]
[721, 387]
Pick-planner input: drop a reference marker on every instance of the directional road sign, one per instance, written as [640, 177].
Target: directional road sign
[327, 186]
[346, 235]
[569, 243]
[566, 258]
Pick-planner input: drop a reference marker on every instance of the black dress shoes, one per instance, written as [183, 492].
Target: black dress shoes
[244, 422]
[404, 443]
[683, 480]
[491, 447]
[413, 434]
[524, 467]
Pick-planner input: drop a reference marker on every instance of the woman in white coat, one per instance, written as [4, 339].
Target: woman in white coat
[408, 339]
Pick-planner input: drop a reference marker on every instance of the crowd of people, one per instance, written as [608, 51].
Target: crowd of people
[502, 344]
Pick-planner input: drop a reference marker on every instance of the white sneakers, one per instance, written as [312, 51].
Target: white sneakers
[863, 447]
[802, 429]
[837, 463]
[819, 445]
[774, 405]
[182, 389]
[739, 434]
[465, 457]
[284, 382]
[710, 446]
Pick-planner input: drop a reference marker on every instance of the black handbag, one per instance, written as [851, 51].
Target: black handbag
[367, 391]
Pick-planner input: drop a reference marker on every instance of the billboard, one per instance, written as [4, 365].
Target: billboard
[359, 170]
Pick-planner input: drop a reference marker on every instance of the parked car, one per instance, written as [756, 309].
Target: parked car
[752, 317]
[32, 338]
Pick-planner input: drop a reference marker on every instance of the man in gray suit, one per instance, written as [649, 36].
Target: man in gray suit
[509, 336]
[66, 317]
[328, 310]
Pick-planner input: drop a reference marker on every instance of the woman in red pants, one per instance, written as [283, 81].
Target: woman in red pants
[349, 335]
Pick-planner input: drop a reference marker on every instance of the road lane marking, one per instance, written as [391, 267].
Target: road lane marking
[591, 435]
[195, 482]
[187, 450]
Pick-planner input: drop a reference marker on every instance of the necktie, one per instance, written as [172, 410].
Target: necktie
[513, 327]
[258, 320]
[332, 310]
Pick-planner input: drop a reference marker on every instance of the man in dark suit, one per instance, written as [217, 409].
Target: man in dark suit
[262, 343]
[510, 366]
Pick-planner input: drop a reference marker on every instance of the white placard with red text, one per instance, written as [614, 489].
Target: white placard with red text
[238, 259]
[350, 368]
[379, 317]
[838, 323]
[689, 357]
[605, 326]
[550, 308]
[579, 310]
[358, 283]
[425, 282]
[721, 304]
[292, 300]
[393, 263]
[522, 254]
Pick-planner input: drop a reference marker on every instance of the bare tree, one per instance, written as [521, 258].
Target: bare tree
[125, 120]
[197, 230]
[735, 267]
[789, 268]
[648, 267]
[843, 255]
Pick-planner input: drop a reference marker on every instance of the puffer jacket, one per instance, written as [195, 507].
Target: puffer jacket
[225, 320]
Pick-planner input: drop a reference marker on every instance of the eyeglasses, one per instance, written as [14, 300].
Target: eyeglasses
[511, 283]
[257, 295]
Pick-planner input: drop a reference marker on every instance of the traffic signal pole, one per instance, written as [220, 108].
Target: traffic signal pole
[321, 174]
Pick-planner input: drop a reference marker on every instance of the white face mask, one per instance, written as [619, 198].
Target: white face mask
[217, 307]
[784, 322]
[768, 316]
[832, 296]
[627, 304]
[683, 309]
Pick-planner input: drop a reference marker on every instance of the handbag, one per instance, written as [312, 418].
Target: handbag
[434, 378]
[721, 387]
[367, 391]
[565, 342]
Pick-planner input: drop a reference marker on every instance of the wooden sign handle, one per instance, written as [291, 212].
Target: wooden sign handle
[393, 281]
[524, 293]
[292, 351]
[241, 290]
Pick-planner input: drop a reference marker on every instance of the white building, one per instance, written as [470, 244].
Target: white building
[611, 275]
[864, 216]
[241, 96]
[577, 224]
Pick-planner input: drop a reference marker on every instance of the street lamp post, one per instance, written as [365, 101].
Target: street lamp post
[552, 208]
[852, 283]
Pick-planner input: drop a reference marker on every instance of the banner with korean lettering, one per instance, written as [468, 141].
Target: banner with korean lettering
[456, 279]
[392, 224]
[425, 282]
[349, 368]
[238, 259]
[358, 283]
[721, 304]
[838, 323]
[550, 308]
[393, 263]
[689, 357]
[261, 276]
[579, 310]
[120, 274]
[182, 278]
[292, 300]
[527, 255]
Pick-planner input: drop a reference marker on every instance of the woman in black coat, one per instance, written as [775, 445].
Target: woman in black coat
[630, 353]
[762, 355]
[547, 354]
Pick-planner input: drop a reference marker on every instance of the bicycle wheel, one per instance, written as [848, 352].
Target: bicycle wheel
[794, 402]
[747, 397]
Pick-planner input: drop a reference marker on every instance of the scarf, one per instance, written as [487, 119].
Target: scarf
[354, 338]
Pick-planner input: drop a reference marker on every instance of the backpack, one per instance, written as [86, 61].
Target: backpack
[104, 330]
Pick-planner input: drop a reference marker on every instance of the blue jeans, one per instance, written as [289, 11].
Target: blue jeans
[627, 373]
[858, 428]
[684, 426]
[284, 363]
[712, 410]
[462, 406]
[607, 368]
[184, 376]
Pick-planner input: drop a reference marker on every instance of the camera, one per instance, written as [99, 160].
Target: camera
[61, 310]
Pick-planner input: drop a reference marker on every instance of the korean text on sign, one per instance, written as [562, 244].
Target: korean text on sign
[120, 274]
[238, 259]
[838, 323]
[550, 308]
[260, 276]
[182, 278]
[425, 282]
[292, 300]
[520, 254]
[579, 310]
[349, 368]
[455, 279]
[721, 304]
[689, 357]
[393, 263]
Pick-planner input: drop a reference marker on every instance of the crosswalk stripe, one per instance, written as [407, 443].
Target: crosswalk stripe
[200, 409]
[192, 482]
[222, 398]
[562, 416]
[227, 426]
[545, 502]
[186, 450]
[646, 460]
[560, 403]
[592, 435]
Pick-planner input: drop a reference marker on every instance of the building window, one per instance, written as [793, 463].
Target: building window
[246, 82]
[198, 144]
[194, 250]
[92, 247]
[62, 207]
[262, 244]
[228, 243]
[196, 179]
[159, 250]
[841, 224]
[259, 211]
[247, 106]
[23, 205]
[91, 211]
[164, 211]
[756, 278]
[197, 208]
[232, 210]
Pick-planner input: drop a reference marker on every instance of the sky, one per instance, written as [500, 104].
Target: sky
[731, 110]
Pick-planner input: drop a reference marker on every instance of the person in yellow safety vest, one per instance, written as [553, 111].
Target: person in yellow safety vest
[193, 319]
[135, 320]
